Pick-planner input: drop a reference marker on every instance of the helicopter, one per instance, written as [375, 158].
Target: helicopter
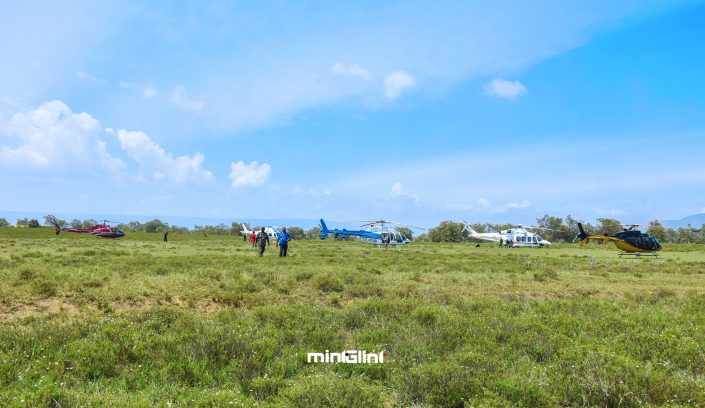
[271, 232]
[99, 230]
[630, 241]
[517, 237]
[375, 233]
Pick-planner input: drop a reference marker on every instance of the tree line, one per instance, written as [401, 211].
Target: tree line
[156, 226]
[557, 229]
[554, 229]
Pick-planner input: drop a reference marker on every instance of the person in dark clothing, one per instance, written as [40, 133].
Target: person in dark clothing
[262, 241]
[283, 239]
[166, 236]
[501, 242]
[385, 240]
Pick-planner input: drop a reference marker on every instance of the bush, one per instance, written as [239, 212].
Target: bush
[44, 287]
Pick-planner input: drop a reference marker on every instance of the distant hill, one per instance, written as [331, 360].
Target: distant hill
[696, 220]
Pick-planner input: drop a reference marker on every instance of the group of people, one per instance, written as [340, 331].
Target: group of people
[508, 243]
[261, 240]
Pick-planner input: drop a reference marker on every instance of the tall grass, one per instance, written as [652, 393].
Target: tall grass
[206, 322]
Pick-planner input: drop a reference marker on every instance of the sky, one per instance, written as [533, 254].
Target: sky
[413, 111]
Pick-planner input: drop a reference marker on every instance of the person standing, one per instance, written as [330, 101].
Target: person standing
[262, 241]
[385, 240]
[253, 239]
[166, 235]
[283, 239]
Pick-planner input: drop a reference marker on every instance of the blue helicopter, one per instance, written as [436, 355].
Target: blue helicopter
[376, 232]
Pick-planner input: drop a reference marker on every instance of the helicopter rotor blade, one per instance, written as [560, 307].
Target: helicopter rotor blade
[411, 226]
[540, 228]
[383, 222]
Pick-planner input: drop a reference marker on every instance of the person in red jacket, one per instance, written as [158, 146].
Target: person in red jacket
[253, 239]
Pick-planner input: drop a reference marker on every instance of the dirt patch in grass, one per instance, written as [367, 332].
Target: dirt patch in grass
[39, 308]
[52, 306]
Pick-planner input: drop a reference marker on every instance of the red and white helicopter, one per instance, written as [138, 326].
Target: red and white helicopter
[99, 230]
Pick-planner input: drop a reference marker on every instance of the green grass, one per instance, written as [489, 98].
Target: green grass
[205, 321]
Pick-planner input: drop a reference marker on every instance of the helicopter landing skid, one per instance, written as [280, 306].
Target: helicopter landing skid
[638, 254]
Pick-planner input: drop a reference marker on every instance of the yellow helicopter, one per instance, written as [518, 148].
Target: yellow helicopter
[631, 241]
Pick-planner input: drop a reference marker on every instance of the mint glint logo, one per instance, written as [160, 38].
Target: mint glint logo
[348, 357]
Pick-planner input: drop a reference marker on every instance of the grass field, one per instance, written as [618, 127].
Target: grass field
[204, 321]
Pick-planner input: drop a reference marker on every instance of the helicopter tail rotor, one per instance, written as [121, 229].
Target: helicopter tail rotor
[468, 228]
[57, 227]
[583, 235]
[324, 229]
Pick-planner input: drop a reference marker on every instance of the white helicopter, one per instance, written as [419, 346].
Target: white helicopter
[518, 236]
[270, 230]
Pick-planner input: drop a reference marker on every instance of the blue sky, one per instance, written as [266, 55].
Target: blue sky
[416, 111]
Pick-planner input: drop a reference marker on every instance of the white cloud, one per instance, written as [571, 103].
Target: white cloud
[501, 88]
[159, 164]
[398, 189]
[400, 192]
[353, 70]
[84, 76]
[53, 137]
[396, 83]
[302, 192]
[179, 98]
[146, 91]
[484, 205]
[249, 175]
[23, 155]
